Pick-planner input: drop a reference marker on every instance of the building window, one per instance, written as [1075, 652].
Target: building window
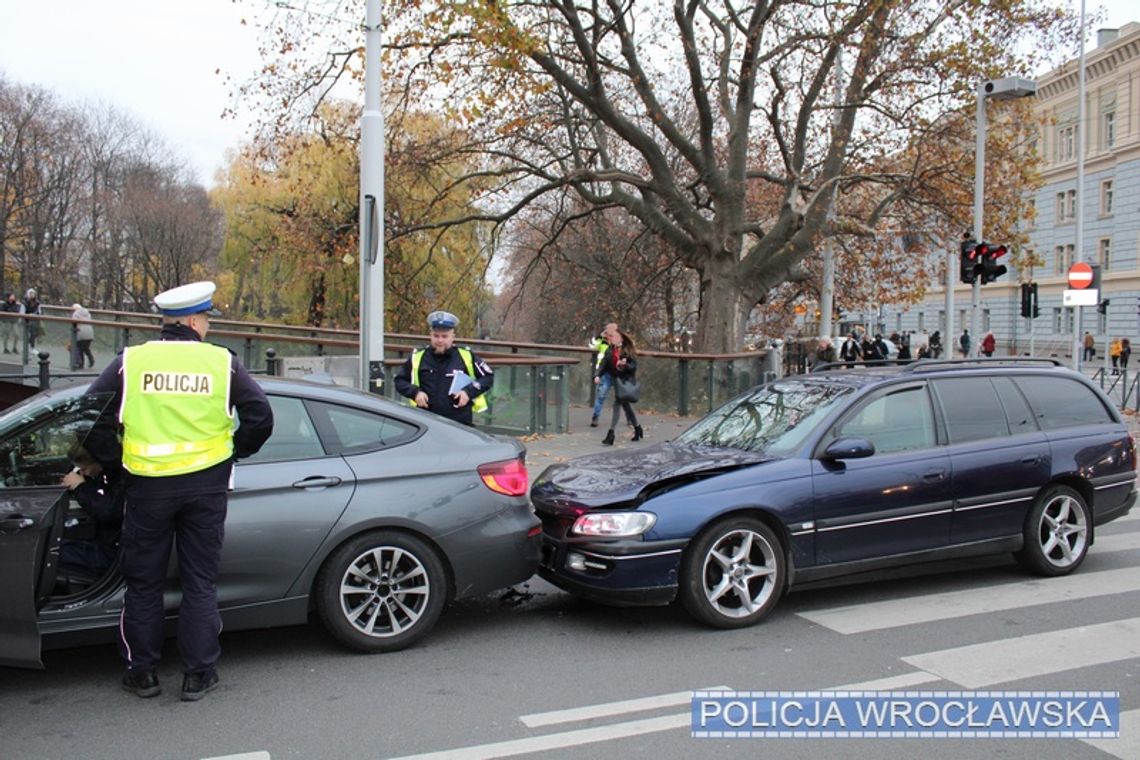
[1059, 259]
[1031, 215]
[1066, 206]
[1101, 323]
[942, 321]
[1068, 259]
[1056, 320]
[1106, 197]
[986, 327]
[921, 321]
[1109, 129]
[1104, 253]
[1069, 319]
[1066, 142]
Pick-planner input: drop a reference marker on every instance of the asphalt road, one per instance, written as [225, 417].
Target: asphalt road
[534, 672]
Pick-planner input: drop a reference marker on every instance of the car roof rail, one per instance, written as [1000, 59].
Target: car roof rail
[924, 365]
[858, 363]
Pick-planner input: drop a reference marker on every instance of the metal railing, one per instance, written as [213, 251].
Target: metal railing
[682, 383]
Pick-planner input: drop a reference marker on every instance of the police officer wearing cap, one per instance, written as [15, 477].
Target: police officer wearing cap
[428, 376]
[176, 398]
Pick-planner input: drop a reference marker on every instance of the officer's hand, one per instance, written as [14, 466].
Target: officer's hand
[597, 380]
[461, 399]
[72, 480]
[422, 400]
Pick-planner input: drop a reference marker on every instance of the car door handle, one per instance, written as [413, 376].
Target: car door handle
[934, 475]
[16, 524]
[317, 482]
[1030, 460]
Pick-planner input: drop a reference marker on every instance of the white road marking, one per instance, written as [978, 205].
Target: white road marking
[890, 683]
[1127, 747]
[614, 708]
[1006, 660]
[893, 613]
[560, 740]
[259, 755]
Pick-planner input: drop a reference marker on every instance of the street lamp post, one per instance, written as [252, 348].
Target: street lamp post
[372, 210]
[1007, 88]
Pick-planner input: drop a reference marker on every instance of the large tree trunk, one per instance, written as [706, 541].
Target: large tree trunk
[724, 309]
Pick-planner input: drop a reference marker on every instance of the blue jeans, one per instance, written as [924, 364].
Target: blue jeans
[601, 390]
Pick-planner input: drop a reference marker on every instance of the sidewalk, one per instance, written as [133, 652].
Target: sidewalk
[543, 450]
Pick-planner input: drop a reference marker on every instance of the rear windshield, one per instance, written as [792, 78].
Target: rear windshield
[774, 419]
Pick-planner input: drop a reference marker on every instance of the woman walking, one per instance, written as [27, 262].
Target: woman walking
[620, 363]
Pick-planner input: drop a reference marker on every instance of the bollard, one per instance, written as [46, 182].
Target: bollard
[271, 362]
[45, 370]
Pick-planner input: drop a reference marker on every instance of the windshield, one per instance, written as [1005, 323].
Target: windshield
[773, 419]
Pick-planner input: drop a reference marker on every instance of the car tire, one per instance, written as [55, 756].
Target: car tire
[1057, 532]
[367, 608]
[733, 573]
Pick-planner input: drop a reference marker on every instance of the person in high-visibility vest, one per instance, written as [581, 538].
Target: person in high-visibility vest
[176, 399]
[604, 381]
[428, 378]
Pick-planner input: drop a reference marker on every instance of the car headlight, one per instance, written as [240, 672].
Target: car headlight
[614, 524]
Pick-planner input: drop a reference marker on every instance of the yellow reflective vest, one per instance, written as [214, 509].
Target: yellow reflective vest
[478, 404]
[175, 408]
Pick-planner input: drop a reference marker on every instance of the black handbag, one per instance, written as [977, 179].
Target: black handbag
[627, 389]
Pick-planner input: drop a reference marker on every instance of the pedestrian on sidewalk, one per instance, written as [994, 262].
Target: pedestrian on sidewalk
[964, 342]
[1090, 347]
[989, 343]
[32, 306]
[620, 363]
[601, 384]
[8, 324]
[1114, 350]
[1125, 352]
[84, 335]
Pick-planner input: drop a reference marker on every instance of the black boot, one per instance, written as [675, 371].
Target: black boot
[609, 439]
[638, 434]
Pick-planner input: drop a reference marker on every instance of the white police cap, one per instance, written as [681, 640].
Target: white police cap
[194, 298]
[442, 320]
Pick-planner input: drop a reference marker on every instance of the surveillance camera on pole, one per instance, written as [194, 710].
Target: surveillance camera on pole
[1010, 88]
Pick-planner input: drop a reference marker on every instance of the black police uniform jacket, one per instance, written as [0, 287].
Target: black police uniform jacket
[246, 398]
[436, 374]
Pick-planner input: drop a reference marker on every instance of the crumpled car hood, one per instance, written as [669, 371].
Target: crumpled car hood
[613, 478]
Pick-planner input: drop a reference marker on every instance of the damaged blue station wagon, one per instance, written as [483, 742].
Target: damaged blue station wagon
[839, 472]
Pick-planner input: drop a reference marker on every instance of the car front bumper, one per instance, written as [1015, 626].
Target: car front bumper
[632, 573]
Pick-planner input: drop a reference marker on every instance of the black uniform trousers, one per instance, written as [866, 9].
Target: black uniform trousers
[149, 529]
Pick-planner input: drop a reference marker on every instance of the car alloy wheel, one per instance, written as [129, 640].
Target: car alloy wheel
[734, 573]
[1056, 532]
[381, 591]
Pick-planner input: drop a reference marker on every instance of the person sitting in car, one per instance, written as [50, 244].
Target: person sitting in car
[99, 491]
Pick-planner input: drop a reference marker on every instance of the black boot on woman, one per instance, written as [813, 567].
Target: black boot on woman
[609, 439]
[638, 434]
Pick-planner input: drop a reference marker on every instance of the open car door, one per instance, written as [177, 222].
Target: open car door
[38, 438]
[31, 523]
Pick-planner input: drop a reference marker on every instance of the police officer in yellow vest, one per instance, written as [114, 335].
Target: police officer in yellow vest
[428, 378]
[176, 398]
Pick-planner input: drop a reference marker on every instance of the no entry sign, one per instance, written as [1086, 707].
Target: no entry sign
[1080, 276]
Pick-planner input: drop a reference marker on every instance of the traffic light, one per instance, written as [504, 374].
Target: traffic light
[1102, 307]
[968, 265]
[1029, 308]
[987, 255]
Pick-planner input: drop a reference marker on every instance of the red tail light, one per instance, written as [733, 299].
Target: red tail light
[507, 477]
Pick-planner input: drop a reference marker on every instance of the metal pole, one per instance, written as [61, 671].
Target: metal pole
[1080, 242]
[827, 292]
[372, 209]
[979, 202]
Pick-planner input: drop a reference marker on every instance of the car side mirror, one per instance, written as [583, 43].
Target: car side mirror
[849, 448]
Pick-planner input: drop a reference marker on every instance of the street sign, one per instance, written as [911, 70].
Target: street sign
[1080, 276]
[1079, 297]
